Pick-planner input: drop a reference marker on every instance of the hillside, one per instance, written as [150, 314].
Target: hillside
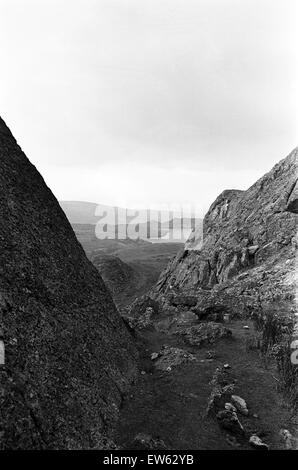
[246, 234]
[129, 267]
[69, 359]
[215, 332]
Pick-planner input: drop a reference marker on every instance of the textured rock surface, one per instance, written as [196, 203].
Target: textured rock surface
[169, 357]
[141, 313]
[246, 267]
[248, 249]
[292, 203]
[69, 357]
[204, 333]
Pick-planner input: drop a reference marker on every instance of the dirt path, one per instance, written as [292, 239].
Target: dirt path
[172, 405]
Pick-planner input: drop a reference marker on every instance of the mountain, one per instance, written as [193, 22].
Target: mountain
[81, 212]
[86, 235]
[219, 327]
[246, 266]
[160, 227]
[244, 233]
[69, 358]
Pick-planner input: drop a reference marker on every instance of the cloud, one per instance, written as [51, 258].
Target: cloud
[203, 86]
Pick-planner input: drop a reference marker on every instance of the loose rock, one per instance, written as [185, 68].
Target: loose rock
[257, 443]
[240, 404]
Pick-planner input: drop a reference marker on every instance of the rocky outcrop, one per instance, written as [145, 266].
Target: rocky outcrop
[69, 359]
[246, 266]
[249, 236]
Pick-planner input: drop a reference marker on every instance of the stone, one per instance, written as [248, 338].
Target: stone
[54, 302]
[257, 443]
[204, 333]
[252, 249]
[222, 389]
[229, 421]
[154, 356]
[210, 354]
[291, 442]
[141, 313]
[170, 357]
[230, 407]
[240, 404]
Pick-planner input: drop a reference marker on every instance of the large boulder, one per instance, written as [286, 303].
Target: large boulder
[69, 359]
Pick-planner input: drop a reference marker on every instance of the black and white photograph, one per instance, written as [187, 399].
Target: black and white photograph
[148, 230]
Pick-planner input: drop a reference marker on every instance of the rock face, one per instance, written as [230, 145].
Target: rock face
[249, 240]
[292, 203]
[68, 356]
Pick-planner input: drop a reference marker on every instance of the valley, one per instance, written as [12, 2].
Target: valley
[128, 344]
[129, 267]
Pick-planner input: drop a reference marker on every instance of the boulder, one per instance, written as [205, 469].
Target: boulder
[257, 443]
[230, 407]
[240, 405]
[291, 442]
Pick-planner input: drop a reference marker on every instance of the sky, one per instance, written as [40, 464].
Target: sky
[143, 103]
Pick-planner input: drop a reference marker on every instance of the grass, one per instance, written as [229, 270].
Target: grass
[172, 405]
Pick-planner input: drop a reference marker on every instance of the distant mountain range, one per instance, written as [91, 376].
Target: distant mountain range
[164, 226]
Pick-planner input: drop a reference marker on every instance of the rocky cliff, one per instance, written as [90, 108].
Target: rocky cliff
[249, 240]
[68, 356]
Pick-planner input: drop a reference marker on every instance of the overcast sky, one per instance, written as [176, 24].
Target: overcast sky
[141, 102]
